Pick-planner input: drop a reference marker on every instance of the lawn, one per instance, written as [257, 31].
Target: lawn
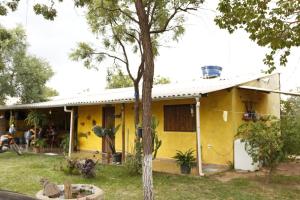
[22, 174]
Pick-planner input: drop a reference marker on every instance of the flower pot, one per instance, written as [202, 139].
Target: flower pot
[36, 149]
[117, 157]
[185, 169]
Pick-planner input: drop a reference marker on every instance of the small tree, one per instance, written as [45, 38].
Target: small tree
[36, 119]
[263, 141]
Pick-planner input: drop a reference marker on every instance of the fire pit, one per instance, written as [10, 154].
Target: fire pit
[79, 192]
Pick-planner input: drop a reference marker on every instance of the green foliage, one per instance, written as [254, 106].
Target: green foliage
[6, 6]
[108, 134]
[36, 118]
[185, 158]
[39, 143]
[161, 80]
[156, 142]
[290, 125]
[21, 75]
[65, 143]
[133, 165]
[263, 141]
[116, 78]
[69, 166]
[272, 24]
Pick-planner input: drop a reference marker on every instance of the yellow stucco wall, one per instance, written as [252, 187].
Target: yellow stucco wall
[217, 131]
[86, 115]
[211, 125]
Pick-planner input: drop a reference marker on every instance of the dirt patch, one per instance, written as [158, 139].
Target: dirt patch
[289, 169]
[286, 169]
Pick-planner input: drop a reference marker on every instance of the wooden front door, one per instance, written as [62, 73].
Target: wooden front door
[108, 121]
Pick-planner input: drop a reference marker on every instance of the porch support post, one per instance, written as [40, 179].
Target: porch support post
[199, 161]
[71, 129]
[123, 131]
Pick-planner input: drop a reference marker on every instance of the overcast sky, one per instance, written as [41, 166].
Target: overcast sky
[203, 44]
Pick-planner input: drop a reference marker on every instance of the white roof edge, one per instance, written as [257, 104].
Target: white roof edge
[160, 92]
[269, 90]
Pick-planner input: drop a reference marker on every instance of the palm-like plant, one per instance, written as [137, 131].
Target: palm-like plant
[108, 134]
[186, 160]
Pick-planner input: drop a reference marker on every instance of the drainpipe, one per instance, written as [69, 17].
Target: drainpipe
[71, 128]
[199, 161]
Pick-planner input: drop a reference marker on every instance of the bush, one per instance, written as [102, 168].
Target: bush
[263, 141]
[290, 125]
[87, 168]
[65, 144]
[133, 165]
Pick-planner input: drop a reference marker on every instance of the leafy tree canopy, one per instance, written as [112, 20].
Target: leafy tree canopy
[270, 23]
[116, 78]
[22, 75]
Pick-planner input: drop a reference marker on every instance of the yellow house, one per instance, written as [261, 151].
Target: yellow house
[202, 115]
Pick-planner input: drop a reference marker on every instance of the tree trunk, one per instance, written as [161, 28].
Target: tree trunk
[136, 108]
[146, 100]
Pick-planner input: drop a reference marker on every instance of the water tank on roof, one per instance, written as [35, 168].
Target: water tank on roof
[211, 71]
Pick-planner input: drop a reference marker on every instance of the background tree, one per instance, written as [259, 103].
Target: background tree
[290, 125]
[22, 75]
[116, 78]
[271, 23]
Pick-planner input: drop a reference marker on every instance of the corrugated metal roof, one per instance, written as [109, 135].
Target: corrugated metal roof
[159, 92]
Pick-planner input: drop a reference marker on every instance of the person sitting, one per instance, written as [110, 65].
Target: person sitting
[12, 129]
[28, 136]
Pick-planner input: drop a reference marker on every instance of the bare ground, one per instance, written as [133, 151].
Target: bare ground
[286, 169]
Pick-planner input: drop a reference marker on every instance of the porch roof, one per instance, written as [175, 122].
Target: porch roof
[269, 90]
[160, 92]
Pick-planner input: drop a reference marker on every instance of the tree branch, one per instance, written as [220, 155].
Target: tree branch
[176, 11]
[109, 55]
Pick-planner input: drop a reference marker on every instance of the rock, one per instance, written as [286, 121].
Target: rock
[50, 190]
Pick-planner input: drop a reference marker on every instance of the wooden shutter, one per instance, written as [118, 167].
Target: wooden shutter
[179, 118]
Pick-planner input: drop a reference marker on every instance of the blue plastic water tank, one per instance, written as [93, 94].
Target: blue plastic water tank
[211, 71]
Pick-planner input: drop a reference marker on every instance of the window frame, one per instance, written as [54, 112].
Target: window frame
[178, 106]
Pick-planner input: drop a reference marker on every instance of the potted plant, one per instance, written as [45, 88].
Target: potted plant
[109, 135]
[38, 144]
[185, 160]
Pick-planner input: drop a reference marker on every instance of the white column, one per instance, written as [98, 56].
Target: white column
[199, 161]
[71, 129]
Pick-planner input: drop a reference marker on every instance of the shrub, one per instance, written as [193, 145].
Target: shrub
[263, 141]
[133, 165]
[185, 158]
[69, 166]
[65, 143]
[87, 168]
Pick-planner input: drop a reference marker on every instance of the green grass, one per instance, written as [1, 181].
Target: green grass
[22, 174]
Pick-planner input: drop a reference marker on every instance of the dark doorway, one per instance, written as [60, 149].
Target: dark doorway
[108, 121]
